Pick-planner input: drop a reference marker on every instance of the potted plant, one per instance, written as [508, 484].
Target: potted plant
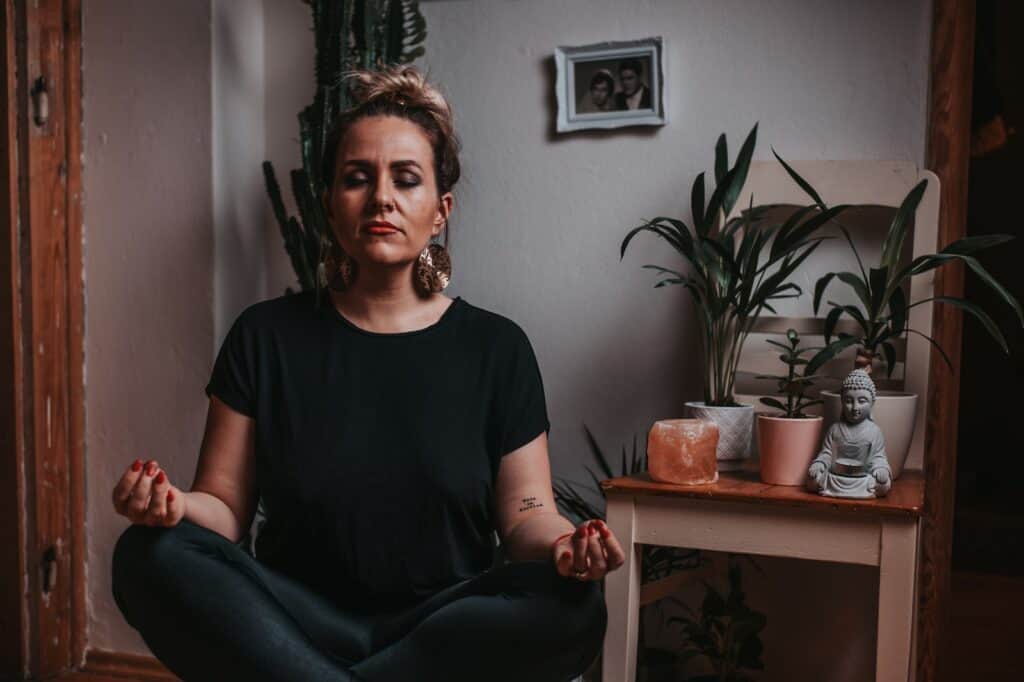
[789, 441]
[726, 633]
[881, 314]
[738, 267]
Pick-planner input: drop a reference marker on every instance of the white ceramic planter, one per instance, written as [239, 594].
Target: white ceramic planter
[894, 412]
[787, 447]
[735, 431]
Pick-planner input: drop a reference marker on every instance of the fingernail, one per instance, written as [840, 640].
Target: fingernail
[151, 469]
[581, 532]
[590, 530]
[170, 496]
[605, 532]
[136, 465]
[160, 477]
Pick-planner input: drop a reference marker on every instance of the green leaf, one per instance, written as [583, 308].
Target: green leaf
[980, 314]
[890, 357]
[858, 285]
[828, 352]
[697, 200]
[935, 345]
[925, 263]
[772, 402]
[819, 289]
[721, 159]
[897, 311]
[804, 185]
[741, 168]
[877, 280]
[715, 203]
[969, 245]
[898, 229]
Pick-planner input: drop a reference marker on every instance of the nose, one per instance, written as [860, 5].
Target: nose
[382, 198]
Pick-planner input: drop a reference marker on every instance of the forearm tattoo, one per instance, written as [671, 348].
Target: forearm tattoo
[531, 503]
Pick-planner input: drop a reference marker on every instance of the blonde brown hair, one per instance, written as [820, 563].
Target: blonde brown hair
[402, 91]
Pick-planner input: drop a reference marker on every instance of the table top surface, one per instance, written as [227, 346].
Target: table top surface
[905, 499]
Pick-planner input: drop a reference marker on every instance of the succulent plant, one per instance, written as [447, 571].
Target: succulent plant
[794, 385]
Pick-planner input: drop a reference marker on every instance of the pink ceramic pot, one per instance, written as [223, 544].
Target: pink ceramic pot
[787, 447]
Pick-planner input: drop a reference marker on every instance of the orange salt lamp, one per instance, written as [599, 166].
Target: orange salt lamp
[682, 451]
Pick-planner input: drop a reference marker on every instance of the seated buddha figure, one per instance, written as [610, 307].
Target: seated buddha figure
[852, 461]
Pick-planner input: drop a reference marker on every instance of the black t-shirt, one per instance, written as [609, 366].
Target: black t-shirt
[377, 453]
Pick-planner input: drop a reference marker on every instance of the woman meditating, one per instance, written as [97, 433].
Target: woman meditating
[390, 431]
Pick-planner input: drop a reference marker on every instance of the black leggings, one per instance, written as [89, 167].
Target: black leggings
[210, 611]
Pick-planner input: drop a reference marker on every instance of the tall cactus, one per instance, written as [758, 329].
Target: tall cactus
[348, 34]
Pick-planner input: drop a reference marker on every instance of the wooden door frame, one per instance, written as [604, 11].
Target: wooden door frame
[42, 345]
[41, 350]
[948, 156]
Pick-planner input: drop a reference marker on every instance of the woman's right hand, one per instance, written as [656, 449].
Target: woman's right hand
[146, 497]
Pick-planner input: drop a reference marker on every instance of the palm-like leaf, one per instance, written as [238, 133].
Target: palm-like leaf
[882, 314]
[738, 266]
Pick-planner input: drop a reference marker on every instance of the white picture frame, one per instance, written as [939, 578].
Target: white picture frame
[631, 71]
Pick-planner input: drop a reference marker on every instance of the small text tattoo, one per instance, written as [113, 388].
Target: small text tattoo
[531, 503]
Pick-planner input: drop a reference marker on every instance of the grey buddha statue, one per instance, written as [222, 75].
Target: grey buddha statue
[852, 461]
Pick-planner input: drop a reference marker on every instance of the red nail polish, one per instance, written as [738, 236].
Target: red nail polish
[605, 532]
[170, 496]
[136, 465]
[590, 530]
[581, 532]
[160, 477]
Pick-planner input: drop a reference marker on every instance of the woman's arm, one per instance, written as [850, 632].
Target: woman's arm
[528, 520]
[223, 496]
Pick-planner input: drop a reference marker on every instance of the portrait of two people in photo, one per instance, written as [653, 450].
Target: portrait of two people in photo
[608, 93]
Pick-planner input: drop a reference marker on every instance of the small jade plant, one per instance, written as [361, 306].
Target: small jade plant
[794, 385]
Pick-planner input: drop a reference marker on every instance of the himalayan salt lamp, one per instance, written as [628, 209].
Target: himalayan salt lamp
[682, 451]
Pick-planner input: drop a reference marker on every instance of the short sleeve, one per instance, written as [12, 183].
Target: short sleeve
[520, 413]
[232, 379]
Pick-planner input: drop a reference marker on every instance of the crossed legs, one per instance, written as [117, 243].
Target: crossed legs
[209, 611]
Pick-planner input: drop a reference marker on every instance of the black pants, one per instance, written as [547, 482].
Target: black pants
[209, 611]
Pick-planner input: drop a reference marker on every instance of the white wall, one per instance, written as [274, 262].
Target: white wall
[149, 265]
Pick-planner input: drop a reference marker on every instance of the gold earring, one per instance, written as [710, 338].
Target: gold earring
[337, 269]
[433, 269]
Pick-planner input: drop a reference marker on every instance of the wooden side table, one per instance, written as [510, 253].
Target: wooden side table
[741, 514]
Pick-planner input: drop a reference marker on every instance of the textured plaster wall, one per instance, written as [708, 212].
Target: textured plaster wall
[149, 260]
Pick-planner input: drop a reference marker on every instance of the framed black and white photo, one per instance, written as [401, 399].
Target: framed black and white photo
[610, 84]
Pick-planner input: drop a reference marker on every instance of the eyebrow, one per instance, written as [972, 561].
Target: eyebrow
[394, 164]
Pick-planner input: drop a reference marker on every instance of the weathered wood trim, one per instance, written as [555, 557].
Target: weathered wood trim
[14, 618]
[949, 119]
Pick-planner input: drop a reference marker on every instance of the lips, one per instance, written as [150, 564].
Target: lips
[380, 227]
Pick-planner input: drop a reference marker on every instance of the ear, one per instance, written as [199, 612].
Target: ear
[444, 211]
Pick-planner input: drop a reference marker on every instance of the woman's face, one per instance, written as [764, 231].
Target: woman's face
[384, 172]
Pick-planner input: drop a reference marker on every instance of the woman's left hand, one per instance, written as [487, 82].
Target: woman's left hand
[589, 553]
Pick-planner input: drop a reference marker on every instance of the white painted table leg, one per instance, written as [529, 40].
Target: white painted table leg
[622, 596]
[897, 575]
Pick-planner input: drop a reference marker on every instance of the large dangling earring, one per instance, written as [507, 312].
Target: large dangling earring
[337, 269]
[433, 269]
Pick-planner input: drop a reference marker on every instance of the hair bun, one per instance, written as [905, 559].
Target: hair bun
[402, 84]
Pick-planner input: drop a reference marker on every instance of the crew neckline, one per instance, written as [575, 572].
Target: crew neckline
[446, 315]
